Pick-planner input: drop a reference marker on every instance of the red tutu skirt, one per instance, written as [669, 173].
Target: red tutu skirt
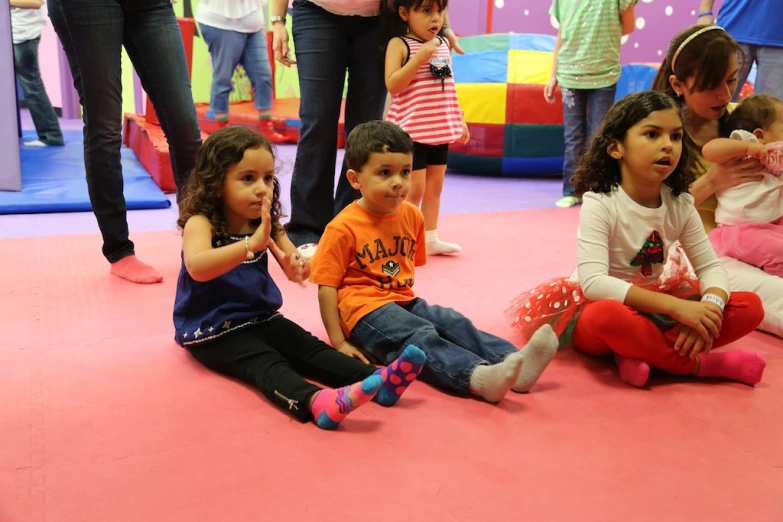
[559, 302]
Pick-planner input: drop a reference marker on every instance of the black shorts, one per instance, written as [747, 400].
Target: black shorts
[424, 155]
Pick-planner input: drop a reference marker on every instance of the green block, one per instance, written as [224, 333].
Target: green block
[486, 42]
[533, 141]
[477, 165]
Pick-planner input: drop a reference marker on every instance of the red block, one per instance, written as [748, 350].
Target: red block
[525, 104]
[187, 27]
[151, 148]
[486, 139]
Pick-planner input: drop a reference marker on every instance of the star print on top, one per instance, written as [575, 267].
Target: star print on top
[370, 258]
[244, 296]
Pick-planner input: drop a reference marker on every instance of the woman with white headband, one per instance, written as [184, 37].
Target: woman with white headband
[701, 72]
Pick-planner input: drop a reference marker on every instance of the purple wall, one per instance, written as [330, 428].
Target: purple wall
[657, 22]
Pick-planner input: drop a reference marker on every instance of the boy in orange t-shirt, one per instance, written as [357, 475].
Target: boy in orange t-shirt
[364, 267]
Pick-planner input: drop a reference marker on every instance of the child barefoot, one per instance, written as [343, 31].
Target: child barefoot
[226, 309]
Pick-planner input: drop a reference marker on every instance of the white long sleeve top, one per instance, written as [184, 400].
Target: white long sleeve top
[620, 239]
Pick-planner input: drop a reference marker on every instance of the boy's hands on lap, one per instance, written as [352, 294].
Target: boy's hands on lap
[352, 351]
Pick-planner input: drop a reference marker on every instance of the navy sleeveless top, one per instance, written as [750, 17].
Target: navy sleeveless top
[243, 297]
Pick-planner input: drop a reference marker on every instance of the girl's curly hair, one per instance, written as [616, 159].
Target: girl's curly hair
[203, 192]
[599, 172]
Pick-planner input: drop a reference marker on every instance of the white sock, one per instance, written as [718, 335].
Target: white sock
[436, 247]
[538, 353]
[491, 383]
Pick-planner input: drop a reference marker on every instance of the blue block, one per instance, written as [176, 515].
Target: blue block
[481, 67]
[532, 42]
[533, 167]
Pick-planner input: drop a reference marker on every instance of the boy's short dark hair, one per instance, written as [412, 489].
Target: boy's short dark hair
[758, 111]
[375, 137]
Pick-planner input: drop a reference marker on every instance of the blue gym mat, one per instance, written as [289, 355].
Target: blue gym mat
[53, 180]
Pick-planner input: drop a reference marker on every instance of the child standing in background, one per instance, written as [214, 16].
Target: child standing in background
[586, 64]
[423, 101]
[28, 20]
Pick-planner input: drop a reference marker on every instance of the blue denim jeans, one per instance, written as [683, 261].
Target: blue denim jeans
[454, 347]
[93, 33]
[769, 70]
[583, 111]
[229, 48]
[44, 118]
[326, 46]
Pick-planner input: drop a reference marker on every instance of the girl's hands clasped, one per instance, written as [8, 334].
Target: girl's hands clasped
[261, 237]
[701, 324]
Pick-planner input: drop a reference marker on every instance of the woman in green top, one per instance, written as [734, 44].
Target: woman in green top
[586, 64]
[701, 72]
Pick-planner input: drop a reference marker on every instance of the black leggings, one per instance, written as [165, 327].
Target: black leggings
[276, 357]
[425, 155]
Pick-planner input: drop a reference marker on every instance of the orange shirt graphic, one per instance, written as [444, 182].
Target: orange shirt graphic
[370, 259]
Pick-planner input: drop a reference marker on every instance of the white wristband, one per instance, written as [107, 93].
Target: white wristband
[712, 298]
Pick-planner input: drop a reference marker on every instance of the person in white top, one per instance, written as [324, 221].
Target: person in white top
[28, 20]
[750, 216]
[621, 301]
[234, 33]
[331, 37]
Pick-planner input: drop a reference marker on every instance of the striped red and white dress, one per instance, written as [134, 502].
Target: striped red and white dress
[428, 108]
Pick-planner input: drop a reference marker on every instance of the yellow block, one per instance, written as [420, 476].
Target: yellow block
[483, 102]
[529, 67]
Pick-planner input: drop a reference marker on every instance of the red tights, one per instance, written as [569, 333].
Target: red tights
[609, 327]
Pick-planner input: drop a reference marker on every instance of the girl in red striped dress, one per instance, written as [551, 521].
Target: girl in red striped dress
[424, 101]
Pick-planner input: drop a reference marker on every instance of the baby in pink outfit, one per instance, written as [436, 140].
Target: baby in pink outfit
[753, 211]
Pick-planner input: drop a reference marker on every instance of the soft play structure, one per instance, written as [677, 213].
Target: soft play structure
[500, 83]
[143, 134]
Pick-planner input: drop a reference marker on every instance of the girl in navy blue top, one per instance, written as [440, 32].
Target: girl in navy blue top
[226, 311]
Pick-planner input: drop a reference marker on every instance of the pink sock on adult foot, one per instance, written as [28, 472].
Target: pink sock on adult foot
[632, 371]
[331, 406]
[735, 365]
[133, 270]
[399, 375]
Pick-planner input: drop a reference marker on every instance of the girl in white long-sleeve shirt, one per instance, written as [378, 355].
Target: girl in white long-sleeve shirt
[620, 301]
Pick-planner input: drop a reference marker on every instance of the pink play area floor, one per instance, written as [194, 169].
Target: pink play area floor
[104, 418]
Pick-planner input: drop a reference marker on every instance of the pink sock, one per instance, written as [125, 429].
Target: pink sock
[331, 406]
[135, 271]
[735, 365]
[632, 371]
